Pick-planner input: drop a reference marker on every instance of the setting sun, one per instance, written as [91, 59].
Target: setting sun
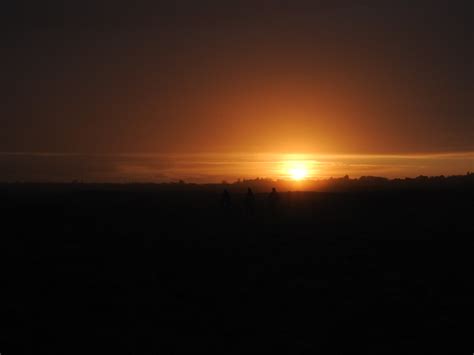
[298, 169]
[298, 173]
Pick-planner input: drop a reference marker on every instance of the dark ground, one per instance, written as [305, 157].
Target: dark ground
[134, 271]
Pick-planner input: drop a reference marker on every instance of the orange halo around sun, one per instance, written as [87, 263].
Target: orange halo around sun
[298, 173]
[297, 170]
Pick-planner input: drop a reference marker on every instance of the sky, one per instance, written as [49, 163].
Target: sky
[133, 89]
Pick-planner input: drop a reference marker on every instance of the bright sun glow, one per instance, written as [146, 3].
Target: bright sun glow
[298, 173]
[297, 169]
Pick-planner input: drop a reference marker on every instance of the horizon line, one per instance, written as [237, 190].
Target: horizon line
[240, 180]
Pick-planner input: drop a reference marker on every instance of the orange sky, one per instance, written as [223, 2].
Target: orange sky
[237, 79]
[218, 167]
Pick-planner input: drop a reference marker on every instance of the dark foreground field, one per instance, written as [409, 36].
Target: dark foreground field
[139, 271]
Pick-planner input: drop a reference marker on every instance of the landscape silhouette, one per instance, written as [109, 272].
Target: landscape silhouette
[364, 259]
[236, 177]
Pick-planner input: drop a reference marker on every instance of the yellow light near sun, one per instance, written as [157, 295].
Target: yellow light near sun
[298, 173]
[298, 169]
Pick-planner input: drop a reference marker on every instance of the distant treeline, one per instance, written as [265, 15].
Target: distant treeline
[363, 183]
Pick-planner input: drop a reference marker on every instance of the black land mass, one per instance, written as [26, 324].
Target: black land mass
[369, 266]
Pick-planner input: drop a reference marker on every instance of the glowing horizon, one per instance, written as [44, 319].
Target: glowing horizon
[216, 167]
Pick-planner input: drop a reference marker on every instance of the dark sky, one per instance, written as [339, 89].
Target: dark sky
[351, 77]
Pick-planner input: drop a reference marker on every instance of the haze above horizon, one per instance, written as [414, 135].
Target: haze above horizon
[209, 168]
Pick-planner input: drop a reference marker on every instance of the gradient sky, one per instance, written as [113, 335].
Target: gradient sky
[113, 78]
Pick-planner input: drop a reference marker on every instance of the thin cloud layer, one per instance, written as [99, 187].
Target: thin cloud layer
[201, 168]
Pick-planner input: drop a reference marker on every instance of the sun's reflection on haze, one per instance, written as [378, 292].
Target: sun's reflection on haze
[211, 168]
[297, 168]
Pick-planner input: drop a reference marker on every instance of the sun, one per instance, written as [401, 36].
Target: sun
[298, 173]
[297, 169]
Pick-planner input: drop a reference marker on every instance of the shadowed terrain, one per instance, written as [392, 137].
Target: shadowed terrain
[146, 270]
